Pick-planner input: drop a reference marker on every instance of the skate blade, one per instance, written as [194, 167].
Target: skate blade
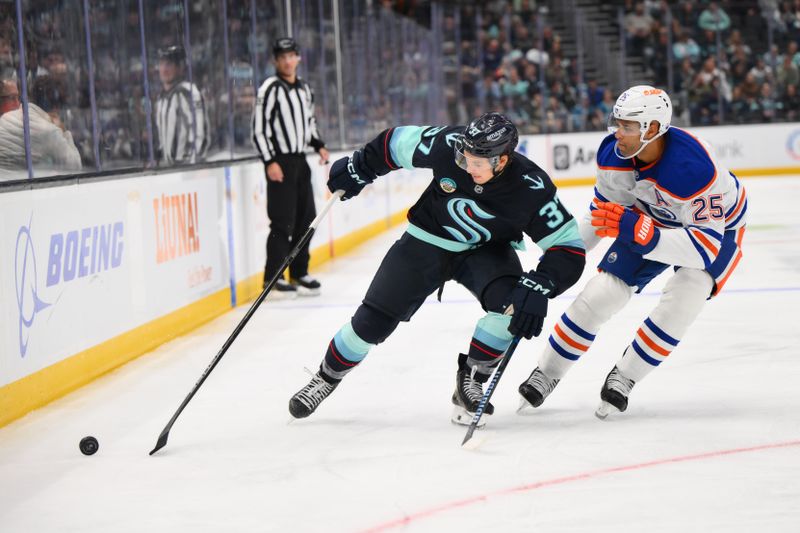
[525, 407]
[462, 417]
[604, 410]
[280, 296]
[305, 293]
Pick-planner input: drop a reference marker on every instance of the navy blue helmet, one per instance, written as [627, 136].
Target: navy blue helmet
[490, 135]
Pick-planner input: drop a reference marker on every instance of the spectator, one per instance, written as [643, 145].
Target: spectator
[686, 47]
[787, 74]
[761, 72]
[181, 117]
[594, 92]
[52, 147]
[791, 103]
[768, 104]
[714, 18]
[638, 26]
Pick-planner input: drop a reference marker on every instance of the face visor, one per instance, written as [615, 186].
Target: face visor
[628, 128]
[459, 147]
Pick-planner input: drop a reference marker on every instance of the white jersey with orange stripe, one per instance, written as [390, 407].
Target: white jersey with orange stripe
[689, 194]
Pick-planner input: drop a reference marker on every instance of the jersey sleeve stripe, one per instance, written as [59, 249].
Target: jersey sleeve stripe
[731, 268]
[738, 206]
[705, 241]
[700, 251]
[710, 232]
[387, 157]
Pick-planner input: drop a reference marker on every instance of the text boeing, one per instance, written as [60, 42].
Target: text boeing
[80, 253]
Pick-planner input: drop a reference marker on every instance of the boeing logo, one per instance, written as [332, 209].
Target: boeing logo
[26, 279]
[72, 255]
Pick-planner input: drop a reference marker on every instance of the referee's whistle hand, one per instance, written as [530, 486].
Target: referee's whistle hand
[274, 172]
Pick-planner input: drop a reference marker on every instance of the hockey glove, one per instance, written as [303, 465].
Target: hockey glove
[613, 220]
[529, 299]
[350, 174]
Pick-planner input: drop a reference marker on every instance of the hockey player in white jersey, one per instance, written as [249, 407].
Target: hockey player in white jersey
[666, 200]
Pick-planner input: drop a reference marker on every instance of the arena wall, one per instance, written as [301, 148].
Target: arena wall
[95, 274]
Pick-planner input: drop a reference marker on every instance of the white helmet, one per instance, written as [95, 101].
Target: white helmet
[642, 104]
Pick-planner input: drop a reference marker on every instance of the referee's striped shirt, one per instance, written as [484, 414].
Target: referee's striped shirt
[182, 124]
[283, 121]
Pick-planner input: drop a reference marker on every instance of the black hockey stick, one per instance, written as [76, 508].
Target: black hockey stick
[490, 389]
[162, 438]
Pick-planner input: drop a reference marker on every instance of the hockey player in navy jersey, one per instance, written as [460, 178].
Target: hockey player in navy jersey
[666, 201]
[464, 227]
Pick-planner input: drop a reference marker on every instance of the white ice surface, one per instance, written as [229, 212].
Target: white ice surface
[710, 442]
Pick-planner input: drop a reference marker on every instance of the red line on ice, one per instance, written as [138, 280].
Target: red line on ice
[415, 517]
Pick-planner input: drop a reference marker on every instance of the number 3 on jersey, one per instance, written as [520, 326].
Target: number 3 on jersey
[552, 211]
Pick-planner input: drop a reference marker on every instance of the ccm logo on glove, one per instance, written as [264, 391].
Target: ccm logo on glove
[534, 286]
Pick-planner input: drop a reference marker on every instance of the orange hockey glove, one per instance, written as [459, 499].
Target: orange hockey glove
[613, 220]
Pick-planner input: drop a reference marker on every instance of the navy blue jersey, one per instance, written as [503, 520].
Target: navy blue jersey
[456, 214]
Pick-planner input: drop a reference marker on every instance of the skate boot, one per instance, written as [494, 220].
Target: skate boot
[535, 389]
[614, 394]
[306, 286]
[282, 290]
[468, 394]
[309, 397]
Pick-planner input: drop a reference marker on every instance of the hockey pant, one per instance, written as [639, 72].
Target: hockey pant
[413, 270]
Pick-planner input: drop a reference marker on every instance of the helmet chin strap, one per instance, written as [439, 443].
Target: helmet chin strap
[642, 147]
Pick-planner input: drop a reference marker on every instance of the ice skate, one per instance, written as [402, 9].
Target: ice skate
[614, 394]
[306, 286]
[535, 389]
[468, 394]
[282, 290]
[309, 397]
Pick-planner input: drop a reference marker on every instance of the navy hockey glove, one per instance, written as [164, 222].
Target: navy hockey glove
[350, 174]
[529, 299]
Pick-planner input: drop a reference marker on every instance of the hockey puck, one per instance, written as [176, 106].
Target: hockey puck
[89, 445]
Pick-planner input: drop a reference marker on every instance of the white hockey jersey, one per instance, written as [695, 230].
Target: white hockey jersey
[690, 196]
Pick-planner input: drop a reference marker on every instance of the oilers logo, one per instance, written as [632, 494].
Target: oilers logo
[448, 185]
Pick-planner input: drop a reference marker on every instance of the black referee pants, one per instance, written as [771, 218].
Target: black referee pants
[290, 208]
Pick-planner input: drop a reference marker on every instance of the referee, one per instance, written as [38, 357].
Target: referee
[181, 118]
[283, 128]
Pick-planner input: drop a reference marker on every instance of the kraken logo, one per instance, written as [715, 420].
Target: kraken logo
[462, 211]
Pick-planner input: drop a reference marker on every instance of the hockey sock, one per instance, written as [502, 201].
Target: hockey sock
[345, 351]
[573, 334]
[682, 300]
[489, 342]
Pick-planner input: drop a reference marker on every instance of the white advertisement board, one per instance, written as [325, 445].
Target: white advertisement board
[751, 149]
[85, 263]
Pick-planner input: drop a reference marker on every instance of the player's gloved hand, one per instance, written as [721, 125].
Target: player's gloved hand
[350, 174]
[529, 299]
[613, 220]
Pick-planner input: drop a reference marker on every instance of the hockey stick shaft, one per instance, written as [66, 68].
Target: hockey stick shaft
[162, 438]
[490, 389]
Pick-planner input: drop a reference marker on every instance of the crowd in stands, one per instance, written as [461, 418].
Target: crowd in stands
[736, 60]
[731, 61]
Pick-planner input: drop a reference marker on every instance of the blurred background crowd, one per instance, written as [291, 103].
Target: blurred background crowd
[90, 75]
